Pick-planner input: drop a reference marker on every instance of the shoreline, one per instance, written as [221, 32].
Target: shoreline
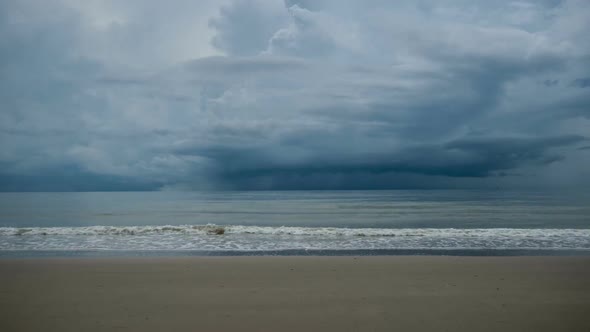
[33, 254]
[346, 293]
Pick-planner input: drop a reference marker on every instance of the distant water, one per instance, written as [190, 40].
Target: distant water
[317, 222]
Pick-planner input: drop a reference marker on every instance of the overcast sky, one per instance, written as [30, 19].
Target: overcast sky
[309, 94]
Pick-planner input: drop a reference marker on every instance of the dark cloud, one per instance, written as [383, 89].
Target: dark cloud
[550, 83]
[581, 82]
[266, 167]
[272, 94]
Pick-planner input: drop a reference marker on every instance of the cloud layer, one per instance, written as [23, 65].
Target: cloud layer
[271, 94]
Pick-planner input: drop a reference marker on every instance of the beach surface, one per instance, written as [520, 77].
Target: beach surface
[392, 293]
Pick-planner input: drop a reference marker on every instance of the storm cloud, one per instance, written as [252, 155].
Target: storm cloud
[272, 94]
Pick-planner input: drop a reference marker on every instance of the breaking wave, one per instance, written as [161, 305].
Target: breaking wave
[260, 238]
[211, 229]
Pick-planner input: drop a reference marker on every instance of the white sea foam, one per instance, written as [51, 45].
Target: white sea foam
[250, 238]
[109, 230]
[283, 230]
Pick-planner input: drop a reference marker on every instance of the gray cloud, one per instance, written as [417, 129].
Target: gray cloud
[464, 158]
[581, 82]
[293, 94]
[245, 27]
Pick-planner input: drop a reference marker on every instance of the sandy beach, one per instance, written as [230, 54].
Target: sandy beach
[296, 294]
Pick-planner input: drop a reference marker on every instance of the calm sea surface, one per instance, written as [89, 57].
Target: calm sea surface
[319, 222]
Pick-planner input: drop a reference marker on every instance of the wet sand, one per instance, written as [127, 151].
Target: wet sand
[296, 294]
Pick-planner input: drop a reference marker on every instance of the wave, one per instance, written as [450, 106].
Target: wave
[212, 229]
[217, 238]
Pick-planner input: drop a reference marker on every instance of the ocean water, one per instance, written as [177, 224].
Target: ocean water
[294, 222]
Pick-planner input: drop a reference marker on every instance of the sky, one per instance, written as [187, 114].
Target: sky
[295, 94]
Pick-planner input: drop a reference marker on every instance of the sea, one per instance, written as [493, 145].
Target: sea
[403, 222]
